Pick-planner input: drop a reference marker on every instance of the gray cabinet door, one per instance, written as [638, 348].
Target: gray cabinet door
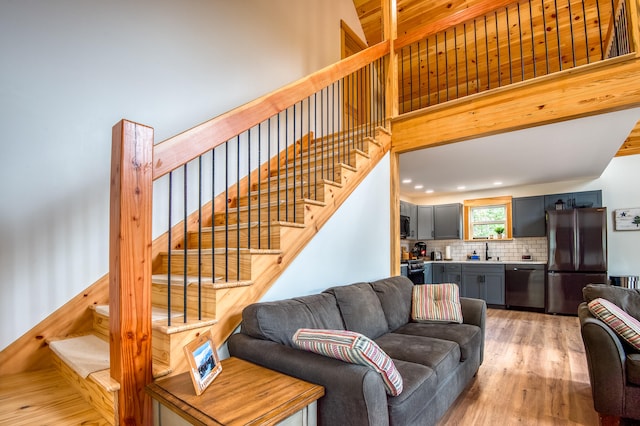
[425, 223]
[447, 221]
[428, 276]
[437, 271]
[404, 209]
[446, 273]
[587, 199]
[574, 199]
[484, 282]
[413, 222]
[471, 286]
[528, 217]
[494, 288]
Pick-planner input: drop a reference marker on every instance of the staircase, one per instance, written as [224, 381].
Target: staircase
[215, 271]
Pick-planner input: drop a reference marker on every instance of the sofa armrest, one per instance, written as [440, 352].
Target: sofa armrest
[350, 390]
[474, 312]
[606, 361]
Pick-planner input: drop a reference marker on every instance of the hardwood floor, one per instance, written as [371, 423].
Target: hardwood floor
[534, 373]
[43, 398]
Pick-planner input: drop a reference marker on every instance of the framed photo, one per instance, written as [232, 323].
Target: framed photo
[204, 364]
[627, 219]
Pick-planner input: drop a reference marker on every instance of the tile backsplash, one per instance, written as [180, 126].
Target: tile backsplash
[503, 250]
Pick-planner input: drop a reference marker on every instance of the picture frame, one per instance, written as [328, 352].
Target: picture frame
[627, 219]
[204, 364]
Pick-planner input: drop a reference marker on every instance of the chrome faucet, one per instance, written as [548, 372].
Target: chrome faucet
[486, 252]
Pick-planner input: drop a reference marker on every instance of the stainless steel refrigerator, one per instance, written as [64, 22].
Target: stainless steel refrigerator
[577, 247]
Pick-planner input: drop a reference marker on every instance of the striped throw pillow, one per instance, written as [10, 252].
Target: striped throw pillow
[623, 324]
[354, 348]
[436, 302]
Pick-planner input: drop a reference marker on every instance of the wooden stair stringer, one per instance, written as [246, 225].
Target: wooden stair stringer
[231, 302]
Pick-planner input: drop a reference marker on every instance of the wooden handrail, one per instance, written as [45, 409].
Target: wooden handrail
[184, 147]
[472, 12]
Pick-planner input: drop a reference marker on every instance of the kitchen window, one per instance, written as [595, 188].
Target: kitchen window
[487, 218]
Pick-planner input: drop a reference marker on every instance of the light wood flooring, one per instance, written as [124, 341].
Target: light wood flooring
[534, 373]
[43, 398]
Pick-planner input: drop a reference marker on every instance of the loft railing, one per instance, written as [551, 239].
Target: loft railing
[223, 173]
[513, 42]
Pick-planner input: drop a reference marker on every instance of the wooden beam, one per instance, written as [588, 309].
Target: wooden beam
[633, 13]
[394, 179]
[587, 90]
[390, 25]
[186, 146]
[130, 269]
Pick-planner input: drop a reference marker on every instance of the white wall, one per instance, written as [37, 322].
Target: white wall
[72, 69]
[619, 190]
[353, 246]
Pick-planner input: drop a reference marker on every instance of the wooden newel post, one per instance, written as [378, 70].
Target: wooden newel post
[130, 270]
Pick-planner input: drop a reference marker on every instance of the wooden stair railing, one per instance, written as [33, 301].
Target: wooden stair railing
[137, 163]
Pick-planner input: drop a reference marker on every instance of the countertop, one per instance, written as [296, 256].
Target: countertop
[488, 262]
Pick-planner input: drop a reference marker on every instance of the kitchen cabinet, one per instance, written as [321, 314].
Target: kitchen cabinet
[404, 208]
[528, 216]
[574, 199]
[446, 273]
[410, 210]
[425, 223]
[483, 282]
[447, 221]
[428, 274]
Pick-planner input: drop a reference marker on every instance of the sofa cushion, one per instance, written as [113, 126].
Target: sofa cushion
[278, 321]
[633, 368]
[626, 298]
[351, 347]
[436, 302]
[467, 336]
[442, 356]
[360, 309]
[395, 297]
[623, 324]
[420, 386]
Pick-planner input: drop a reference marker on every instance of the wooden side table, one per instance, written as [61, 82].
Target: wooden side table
[243, 394]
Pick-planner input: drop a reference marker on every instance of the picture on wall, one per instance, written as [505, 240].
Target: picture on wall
[627, 219]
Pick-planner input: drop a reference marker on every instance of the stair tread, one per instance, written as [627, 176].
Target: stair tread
[233, 226]
[222, 250]
[274, 204]
[157, 313]
[193, 280]
[178, 325]
[85, 354]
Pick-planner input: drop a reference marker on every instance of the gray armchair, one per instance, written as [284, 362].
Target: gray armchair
[614, 366]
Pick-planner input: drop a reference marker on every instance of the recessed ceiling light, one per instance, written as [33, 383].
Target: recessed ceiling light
[406, 180]
[419, 186]
[497, 183]
[429, 191]
[461, 187]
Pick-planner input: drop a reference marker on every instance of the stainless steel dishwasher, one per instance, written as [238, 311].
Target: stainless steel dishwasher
[525, 286]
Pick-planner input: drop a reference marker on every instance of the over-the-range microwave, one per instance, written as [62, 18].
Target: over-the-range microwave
[404, 226]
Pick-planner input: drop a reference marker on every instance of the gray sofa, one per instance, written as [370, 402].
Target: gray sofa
[614, 366]
[436, 360]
